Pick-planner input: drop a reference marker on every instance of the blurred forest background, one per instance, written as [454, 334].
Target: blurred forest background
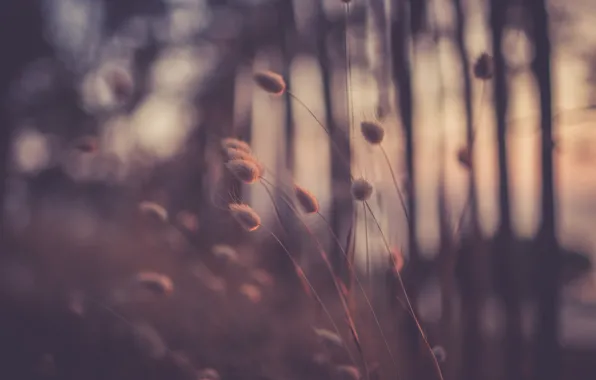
[112, 175]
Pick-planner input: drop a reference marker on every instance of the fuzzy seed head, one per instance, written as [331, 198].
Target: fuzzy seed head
[245, 170]
[252, 292]
[155, 282]
[484, 67]
[307, 200]
[231, 142]
[373, 132]
[361, 189]
[245, 216]
[152, 208]
[439, 353]
[237, 154]
[271, 82]
[225, 252]
[464, 156]
[396, 261]
[329, 337]
[348, 372]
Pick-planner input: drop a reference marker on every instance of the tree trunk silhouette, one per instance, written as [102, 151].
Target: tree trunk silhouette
[548, 351]
[468, 100]
[400, 51]
[378, 13]
[504, 259]
[286, 28]
[471, 267]
[341, 209]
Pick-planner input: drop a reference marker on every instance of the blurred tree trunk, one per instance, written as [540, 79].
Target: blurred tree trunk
[287, 28]
[381, 69]
[400, 51]
[446, 242]
[468, 100]
[471, 266]
[341, 208]
[507, 281]
[548, 351]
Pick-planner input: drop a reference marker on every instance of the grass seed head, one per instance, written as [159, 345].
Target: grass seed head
[348, 372]
[236, 154]
[396, 261]
[252, 292]
[361, 189]
[464, 156]
[372, 131]
[329, 337]
[307, 200]
[152, 208]
[188, 220]
[155, 282]
[271, 82]
[439, 353]
[245, 216]
[234, 143]
[225, 252]
[245, 170]
[208, 374]
[484, 67]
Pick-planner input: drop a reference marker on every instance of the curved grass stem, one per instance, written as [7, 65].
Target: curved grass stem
[300, 272]
[395, 184]
[408, 303]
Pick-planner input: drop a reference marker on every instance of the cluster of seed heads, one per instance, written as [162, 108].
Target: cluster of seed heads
[240, 161]
[484, 67]
[270, 82]
[372, 131]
